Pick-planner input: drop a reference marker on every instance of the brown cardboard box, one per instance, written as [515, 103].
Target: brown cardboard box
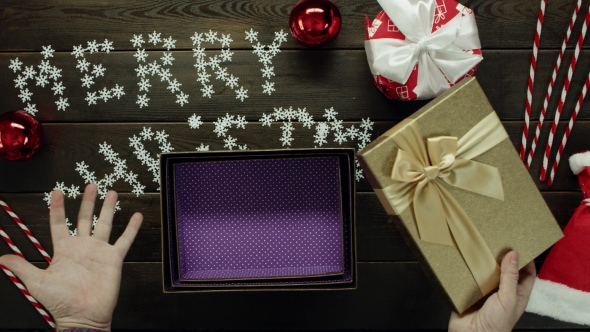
[521, 221]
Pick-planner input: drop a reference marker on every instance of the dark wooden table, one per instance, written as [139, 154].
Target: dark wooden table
[393, 292]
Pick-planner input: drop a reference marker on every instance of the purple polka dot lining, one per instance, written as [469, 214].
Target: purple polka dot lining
[259, 218]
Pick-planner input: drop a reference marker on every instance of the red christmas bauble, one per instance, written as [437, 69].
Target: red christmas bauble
[315, 22]
[20, 135]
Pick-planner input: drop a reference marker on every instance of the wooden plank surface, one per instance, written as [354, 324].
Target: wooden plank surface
[393, 291]
[67, 144]
[502, 23]
[377, 239]
[315, 80]
[392, 296]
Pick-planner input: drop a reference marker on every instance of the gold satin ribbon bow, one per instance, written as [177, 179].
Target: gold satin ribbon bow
[419, 171]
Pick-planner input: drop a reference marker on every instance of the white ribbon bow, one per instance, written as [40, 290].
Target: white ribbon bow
[438, 54]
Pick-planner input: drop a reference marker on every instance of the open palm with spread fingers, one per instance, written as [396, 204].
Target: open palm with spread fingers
[81, 285]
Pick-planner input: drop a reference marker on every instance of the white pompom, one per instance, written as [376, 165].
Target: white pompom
[579, 161]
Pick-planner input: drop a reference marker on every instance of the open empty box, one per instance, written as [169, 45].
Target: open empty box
[258, 220]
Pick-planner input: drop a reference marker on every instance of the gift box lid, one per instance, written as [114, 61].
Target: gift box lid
[521, 221]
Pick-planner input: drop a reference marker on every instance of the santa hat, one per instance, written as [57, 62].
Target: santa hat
[562, 288]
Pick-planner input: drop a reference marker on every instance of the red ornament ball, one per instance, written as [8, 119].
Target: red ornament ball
[315, 22]
[20, 135]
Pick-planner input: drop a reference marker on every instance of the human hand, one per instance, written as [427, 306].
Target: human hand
[502, 309]
[81, 285]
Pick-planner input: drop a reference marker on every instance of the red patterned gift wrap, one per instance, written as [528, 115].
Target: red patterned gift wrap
[417, 49]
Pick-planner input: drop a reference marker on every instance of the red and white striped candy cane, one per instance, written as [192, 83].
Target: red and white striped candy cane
[19, 285]
[29, 297]
[11, 244]
[551, 83]
[25, 230]
[568, 130]
[529, 94]
[563, 96]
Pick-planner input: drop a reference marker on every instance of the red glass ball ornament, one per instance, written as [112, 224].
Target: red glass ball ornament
[315, 22]
[20, 135]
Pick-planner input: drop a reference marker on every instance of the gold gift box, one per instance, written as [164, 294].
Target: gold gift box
[521, 221]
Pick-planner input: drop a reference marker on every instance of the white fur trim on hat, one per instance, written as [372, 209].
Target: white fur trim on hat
[579, 161]
[560, 302]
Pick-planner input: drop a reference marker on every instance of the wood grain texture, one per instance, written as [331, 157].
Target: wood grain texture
[67, 144]
[312, 79]
[393, 293]
[377, 239]
[501, 23]
[392, 296]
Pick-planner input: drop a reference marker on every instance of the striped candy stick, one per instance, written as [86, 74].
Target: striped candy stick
[26, 231]
[19, 284]
[531, 81]
[11, 244]
[29, 297]
[566, 86]
[568, 130]
[551, 83]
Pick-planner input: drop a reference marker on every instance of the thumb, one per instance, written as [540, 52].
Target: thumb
[25, 271]
[509, 279]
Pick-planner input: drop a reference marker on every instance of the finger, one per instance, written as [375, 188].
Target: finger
[86, 210]
[57, 218]
[102, 230]
[509, 279]
[528, 270]
[29, 274]
[126, 239]
[525, 285]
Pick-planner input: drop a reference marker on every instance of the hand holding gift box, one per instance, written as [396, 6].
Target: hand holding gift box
[418, 49]
[454, 184]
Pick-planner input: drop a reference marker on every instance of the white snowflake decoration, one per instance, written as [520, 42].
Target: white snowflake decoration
[62, 103]
[83, 65]
[195, 121]
[120, 170]
[137, 41]
[144, 84]
[117, 91]
[156, 68]
[182, 98]
[42, 78]
[268, 87]
[322, 129]
[140, 55]
[47, 52]
[266, 54]
[15, 65]
[91, 98]
[221, 73]
[31, 109]
[167, 59]
[169, 43]
[230, 142]
[87, 81]
[20, 82]
[251, 36]
[25, 95]
[222, 126]
[142, 100]
[154, 38]
[173, 86]
[98, 70]
[241, 94]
